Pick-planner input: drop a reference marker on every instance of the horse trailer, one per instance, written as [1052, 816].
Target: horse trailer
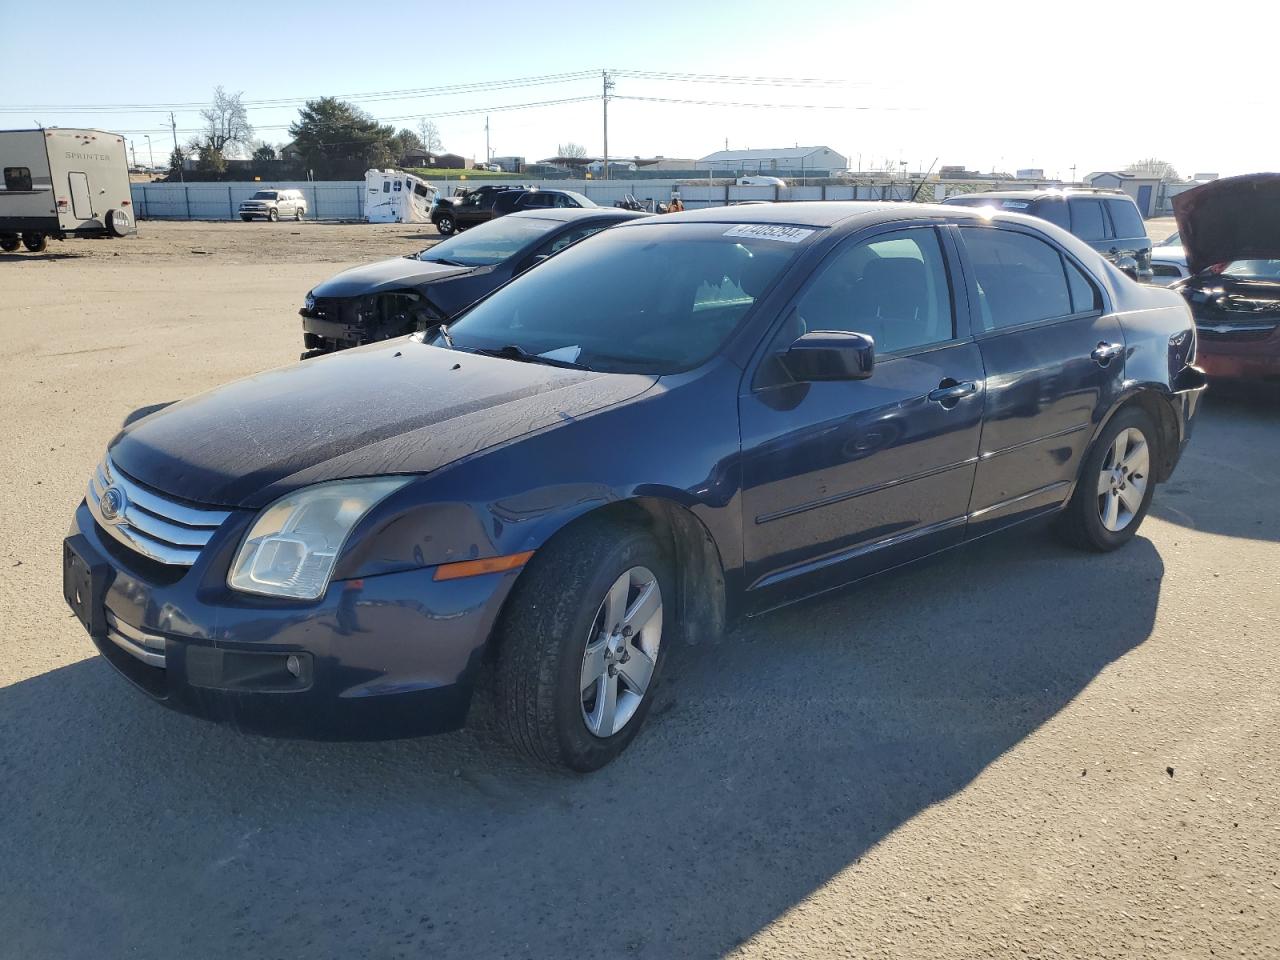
[62, 183]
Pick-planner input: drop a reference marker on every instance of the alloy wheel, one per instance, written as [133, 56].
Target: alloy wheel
[1122, 483]
[622, 648]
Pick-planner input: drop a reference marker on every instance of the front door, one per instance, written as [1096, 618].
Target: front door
[1054, 362]
[81, 198]
[842, 479]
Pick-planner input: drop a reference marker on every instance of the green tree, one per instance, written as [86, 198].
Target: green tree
[403, 142]
[210, 159]
[265, 153]
[335, 137]
[176, 159]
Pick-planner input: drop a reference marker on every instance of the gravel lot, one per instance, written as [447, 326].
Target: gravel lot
[1016, 750]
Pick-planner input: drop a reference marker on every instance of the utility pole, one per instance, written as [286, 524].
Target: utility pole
[487, 153]
[1073, 173]
[151, 157]
[134, 154]
[604, 99]
[173, 124]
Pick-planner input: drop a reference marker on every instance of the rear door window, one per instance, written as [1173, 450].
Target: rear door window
[1127, 220]
[1021, 279]
[1087, 221]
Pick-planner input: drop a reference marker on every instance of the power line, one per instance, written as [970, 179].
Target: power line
[759, 106]
[401, 94]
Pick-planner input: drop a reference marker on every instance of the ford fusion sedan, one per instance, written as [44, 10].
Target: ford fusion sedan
[398, 296]
[678, 423]
[1230, 233]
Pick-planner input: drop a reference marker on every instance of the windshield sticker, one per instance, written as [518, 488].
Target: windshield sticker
[1016, 205]
[769, 231]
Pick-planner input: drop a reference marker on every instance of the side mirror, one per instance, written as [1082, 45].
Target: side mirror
[830, 355]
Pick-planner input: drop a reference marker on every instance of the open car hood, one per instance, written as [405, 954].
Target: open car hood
[1236, 218]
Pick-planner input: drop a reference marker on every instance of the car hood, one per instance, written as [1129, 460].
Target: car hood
[386, 275]
[399, 406]
[1170, 253]
[1236, 218]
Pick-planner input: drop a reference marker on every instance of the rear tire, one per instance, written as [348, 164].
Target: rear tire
[273, 215]
[9, 244]
[35, 242]
[1115, 487]
[580, 649]
[446, 225]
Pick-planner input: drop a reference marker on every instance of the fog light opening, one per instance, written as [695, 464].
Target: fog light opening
[294, 665]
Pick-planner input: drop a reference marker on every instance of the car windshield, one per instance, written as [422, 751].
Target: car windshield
[1268, 270]
[489, 243]
[655, 298]
[264, 195]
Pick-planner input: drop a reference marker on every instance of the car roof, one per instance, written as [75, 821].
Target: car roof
[569, 214]
[1042, 194]
[823, 213]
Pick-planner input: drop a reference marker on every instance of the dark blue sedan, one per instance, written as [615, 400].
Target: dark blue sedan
[670, 425]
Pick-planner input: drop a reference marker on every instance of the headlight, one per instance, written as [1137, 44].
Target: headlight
[309, 303]
[293, 545]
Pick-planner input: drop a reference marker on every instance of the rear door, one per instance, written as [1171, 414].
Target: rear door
[845, 478]
[1131, 248]
[1054, 361]
[81, 196]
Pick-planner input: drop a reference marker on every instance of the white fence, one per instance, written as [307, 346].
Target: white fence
[344, 199]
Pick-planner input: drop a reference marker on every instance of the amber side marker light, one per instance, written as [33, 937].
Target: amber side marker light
[474, 568]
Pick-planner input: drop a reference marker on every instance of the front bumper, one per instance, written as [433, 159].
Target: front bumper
[1239, 353]
[263, 212]
[382, 657]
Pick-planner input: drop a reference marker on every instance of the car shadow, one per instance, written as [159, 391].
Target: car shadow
[17, 257]
[146, 411]
[1228, 483]
[775, 759]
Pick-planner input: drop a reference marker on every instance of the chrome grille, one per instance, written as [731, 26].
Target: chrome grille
[159, 528]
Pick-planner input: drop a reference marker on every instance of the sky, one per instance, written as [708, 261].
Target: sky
[1087, 85]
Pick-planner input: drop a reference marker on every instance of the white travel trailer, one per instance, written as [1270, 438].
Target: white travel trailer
[62, 183]
[393, 196]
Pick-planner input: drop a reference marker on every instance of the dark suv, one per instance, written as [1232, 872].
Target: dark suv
[1108, 221]
[539, 200]
[475, 206]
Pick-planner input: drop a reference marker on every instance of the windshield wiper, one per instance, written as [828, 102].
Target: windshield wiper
[514, 352]
[447, 263]
[443, 330]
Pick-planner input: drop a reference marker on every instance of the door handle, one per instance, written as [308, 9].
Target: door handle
[949, 392]
[1105, 352]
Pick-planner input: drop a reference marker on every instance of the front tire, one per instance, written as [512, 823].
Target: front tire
[1116, 484]
[298, 214]
[580, 648]
[35, 242]
[9, 244]
[245, 218]
[446, 225]
[273, 215]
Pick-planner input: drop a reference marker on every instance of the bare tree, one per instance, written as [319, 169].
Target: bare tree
[575, 150]
[429, 135]
[1151, 167]
[226, 122]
